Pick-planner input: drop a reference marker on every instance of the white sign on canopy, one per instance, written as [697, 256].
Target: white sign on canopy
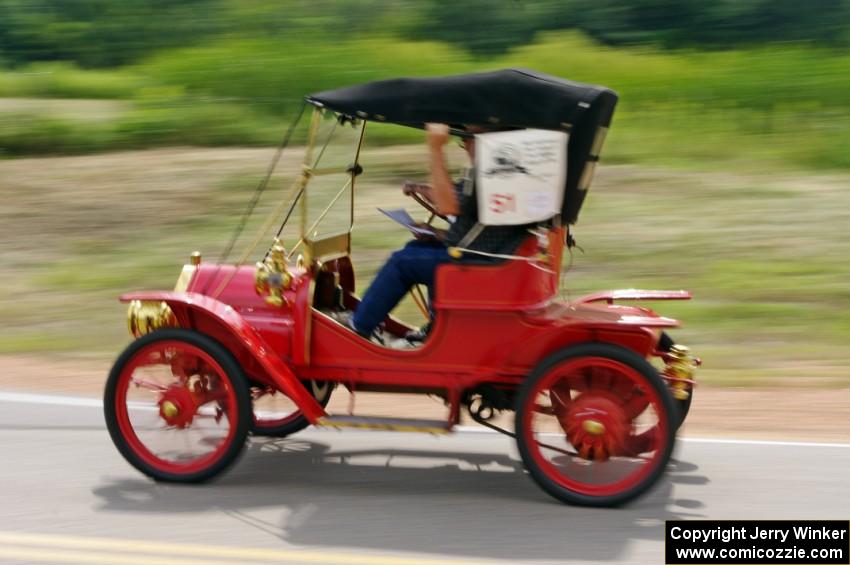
[520, 176]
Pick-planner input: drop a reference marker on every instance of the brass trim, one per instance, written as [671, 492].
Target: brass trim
[587, 176]
[185, 278]
[598, 141]
[593, 427]
[324, 213]
[328, 247]
[679, 369]
[315, 122]
[377, 424]
[169, 409]
[419, 298]
[146, 316]
[330, 171]
[272, 276]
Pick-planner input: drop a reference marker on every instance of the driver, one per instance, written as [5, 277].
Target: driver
[416, 262]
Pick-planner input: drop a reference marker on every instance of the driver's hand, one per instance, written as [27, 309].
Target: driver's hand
[437, 134]
[438, 233]
[410, 187]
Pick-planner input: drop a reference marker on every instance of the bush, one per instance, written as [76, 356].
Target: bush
[64, 80]
[26, 134]
[274, 75]
[789, 104]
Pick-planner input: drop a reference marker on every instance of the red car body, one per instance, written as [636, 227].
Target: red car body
[493, 324]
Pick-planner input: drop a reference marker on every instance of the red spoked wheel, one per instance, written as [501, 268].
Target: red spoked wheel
[177, 406]
[593, 425]
[276, 415]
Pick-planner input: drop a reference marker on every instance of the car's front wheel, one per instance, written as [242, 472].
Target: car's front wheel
[177, 406]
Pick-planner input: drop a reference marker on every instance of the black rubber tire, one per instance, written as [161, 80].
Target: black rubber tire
[682, 409]
[298, 423]
[234, 374]
[621, 355]
[665, 343]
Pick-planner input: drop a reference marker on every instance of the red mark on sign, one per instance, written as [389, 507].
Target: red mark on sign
[501, 203]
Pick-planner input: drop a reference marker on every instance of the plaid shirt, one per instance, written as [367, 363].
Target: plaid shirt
[503, 240]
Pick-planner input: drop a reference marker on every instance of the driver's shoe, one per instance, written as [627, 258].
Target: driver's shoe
[375, 336]
[416, 336]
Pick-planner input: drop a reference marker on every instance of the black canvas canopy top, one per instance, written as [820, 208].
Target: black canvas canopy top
[508, 98]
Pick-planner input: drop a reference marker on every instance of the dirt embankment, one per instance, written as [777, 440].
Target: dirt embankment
[810, 414]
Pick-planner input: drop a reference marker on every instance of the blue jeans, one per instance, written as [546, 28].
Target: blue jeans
[415, 263]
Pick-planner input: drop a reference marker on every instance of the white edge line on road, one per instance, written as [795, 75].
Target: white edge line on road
[56, 400]
[50, 399]
[762, 442]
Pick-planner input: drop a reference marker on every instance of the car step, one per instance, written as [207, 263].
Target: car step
[389, 424]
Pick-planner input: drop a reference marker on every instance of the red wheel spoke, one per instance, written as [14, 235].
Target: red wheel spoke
[561, 395]
[258, 393]
[635, 405]
[642, 443]
[611, 416]
[193, 433]
[553, 448]
[544, 409]
[144, 383]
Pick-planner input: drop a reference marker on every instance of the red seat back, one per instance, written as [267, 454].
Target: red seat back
[509, 285]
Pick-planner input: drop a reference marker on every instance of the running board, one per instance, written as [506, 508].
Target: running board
[387, 424]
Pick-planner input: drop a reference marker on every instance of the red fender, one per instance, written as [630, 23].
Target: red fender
[610, 296]
[188, 307]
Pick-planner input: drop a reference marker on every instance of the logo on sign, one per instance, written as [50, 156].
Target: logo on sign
[507, 161]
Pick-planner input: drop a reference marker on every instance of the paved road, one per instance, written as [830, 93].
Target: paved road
[368, 497]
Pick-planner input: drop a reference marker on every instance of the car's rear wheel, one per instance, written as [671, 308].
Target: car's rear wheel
[177, 406]
[595, 425]
[683, 407]
[276, 415]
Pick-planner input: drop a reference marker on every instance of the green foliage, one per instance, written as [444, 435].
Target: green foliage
[99, 33]
[484, 27]
[65, 80]
[22, 134]
[185, 121]
[787, 105]
[274, 75]
[721, 23]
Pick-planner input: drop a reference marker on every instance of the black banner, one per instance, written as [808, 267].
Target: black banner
[760, 542]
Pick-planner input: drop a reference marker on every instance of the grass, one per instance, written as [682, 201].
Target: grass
[764, 254]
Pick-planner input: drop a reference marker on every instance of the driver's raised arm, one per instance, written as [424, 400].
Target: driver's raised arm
[442, 188]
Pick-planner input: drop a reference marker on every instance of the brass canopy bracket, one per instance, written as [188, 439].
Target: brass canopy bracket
[273, 276]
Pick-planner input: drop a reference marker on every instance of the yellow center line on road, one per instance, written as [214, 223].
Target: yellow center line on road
[34, 554]
[79, 549]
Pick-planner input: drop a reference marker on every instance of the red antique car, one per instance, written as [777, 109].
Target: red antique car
[595, 420]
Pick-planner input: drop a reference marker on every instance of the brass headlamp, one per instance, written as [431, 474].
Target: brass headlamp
[145, 316]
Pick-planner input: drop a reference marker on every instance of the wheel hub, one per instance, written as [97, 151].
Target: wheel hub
[177, 406]
[596, 426]
[593, 427]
